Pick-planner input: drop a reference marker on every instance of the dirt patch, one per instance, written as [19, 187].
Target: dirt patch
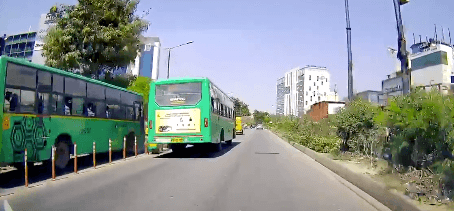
[378, 170]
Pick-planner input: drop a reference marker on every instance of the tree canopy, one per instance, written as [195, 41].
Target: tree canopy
[141, 85]
[261, 117]
[94, 35]
[241, 108]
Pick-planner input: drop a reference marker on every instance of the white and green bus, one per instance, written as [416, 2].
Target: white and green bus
[45, 107]
[189, 111]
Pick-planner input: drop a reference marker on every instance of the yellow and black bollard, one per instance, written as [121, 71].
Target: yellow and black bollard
[146, 147]
[135, 146]
[124, 148]
[75, 157]
[53, 163]
[110, 151]
[26, 168]
[94, 155]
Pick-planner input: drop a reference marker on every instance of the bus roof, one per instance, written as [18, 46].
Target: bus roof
[4, 59]
[177, 80]
[188, 79]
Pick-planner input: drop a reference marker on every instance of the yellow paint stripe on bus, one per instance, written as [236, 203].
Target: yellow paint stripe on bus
[71, 117]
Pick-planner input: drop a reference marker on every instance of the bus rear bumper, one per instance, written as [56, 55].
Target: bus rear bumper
[179, 139]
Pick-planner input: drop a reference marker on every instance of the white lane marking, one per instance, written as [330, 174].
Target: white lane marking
[6, 206]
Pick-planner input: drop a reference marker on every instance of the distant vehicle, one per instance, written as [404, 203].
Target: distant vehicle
[259, 127]
[46, 107]
[239, 126]
[189, 111]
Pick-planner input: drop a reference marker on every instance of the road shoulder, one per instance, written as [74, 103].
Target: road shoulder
[372, 191]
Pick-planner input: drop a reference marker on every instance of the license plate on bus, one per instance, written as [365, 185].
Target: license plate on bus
[177, 140]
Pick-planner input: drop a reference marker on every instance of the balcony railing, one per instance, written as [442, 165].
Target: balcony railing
[31, 39]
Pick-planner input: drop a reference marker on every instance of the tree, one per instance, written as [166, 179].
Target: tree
[120, 80]
[141, 85]
[241, 108]
[261, 117]
[94, 35]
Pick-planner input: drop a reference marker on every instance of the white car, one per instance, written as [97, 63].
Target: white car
[259, 127]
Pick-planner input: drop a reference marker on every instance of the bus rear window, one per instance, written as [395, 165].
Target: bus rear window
[178, 94]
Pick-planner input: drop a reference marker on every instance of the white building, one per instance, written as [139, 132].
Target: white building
[307, 86]
[45, 23]
[432, 64]
[147, 60]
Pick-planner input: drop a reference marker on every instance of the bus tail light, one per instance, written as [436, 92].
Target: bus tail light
[206, 122]
[150, 124]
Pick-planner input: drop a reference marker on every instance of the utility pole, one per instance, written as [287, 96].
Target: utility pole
[168, 58]
[349, 48]
[402, 46]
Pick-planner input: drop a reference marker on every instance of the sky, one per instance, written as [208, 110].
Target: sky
[244, 46]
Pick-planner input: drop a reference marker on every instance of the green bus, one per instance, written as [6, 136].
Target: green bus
[192, 111]
[45, 107]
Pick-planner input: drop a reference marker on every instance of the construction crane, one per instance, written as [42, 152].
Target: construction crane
[349, 49]
[402, 46]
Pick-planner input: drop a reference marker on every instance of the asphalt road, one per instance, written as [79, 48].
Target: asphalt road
[256, 172]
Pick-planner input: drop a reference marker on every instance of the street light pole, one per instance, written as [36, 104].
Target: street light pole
[168, 59]
[349, 48]
[168, 65]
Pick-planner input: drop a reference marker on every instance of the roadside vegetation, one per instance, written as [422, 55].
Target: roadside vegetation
[413, 135]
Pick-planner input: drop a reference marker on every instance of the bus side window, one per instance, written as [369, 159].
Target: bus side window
[137, 111]
[22, 79]
[212, 105]
[58, 102]
[67, 109]
[107, 112]
[113, 101]
[96, 98]
[44, 89]
[11, 103]
[78, 107]
[90, 110]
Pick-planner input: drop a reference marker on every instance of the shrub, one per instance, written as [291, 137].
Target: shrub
[421, 126]
[356, 126]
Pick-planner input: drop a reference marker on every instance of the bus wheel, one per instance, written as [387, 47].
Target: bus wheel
[61, 154]
[130, 138]
[229, 142]
[218, 147]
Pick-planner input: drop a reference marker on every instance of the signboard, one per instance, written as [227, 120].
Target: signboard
[178, 121]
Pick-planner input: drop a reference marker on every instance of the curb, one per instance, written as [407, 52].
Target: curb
[380, 192]
[69, 175]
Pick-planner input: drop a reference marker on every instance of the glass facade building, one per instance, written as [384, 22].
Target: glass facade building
[20, 45]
